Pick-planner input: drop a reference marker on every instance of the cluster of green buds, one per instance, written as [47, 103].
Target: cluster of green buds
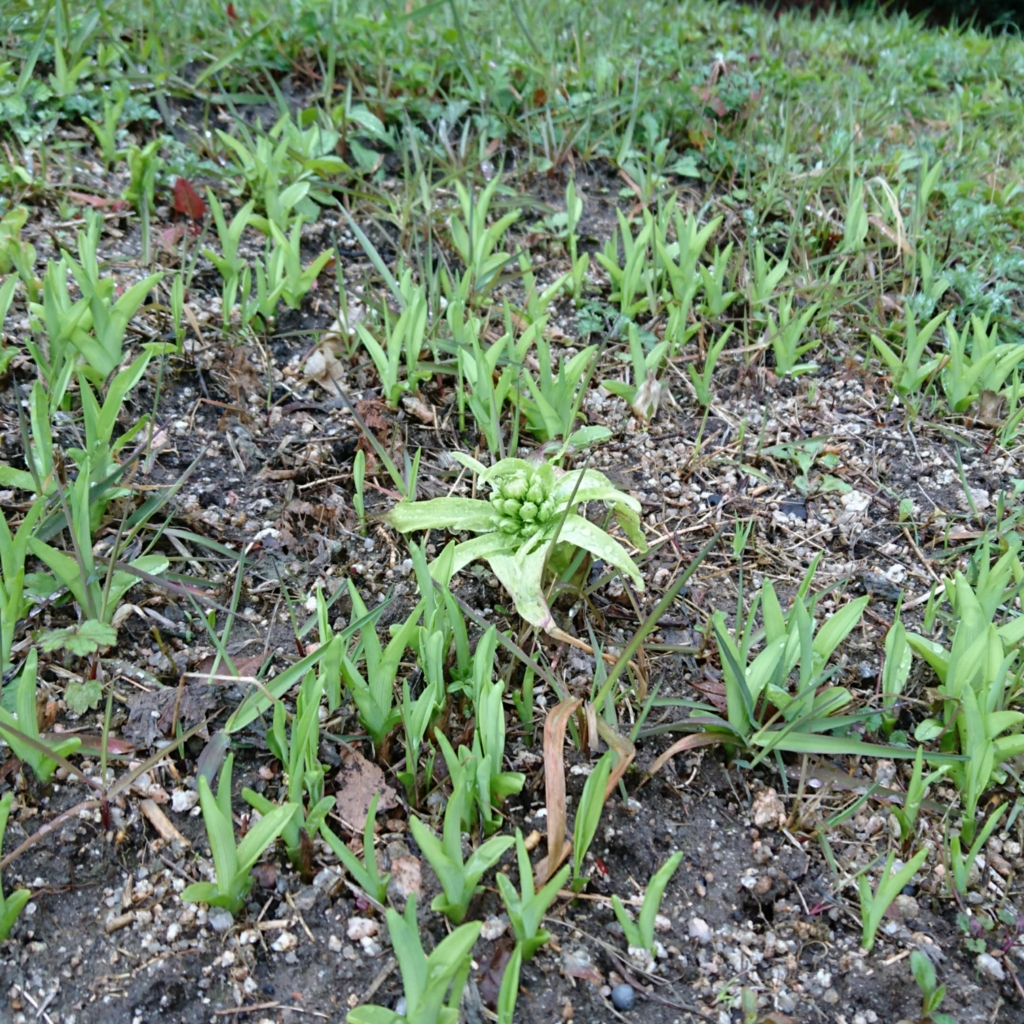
[523, 500]
[532, 508]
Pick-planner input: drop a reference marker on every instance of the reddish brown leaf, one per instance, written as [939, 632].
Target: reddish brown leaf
[187, 200]
[98, 202]
[169, 237]
[554, 788]
[623, 747]
[358, 781]
[697, 739]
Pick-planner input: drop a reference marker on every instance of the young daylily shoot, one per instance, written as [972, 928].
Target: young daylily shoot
[529, 519]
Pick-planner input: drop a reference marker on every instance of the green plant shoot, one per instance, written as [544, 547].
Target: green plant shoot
[530, 511]
[231, 863]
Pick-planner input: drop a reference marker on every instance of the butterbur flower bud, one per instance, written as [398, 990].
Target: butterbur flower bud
[515, 487]
[510, 507]
[528, 510]
[537, 492]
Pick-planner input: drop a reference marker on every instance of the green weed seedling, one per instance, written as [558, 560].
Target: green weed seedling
[24, 724]
[679, 261]
[12, 905]
[790, 640]
[509, 991]
[786, 338]
[229, 264]
[932, 993]
[433, 985]
[358, 487]
[282, 167]
[298, 754]
[634, 284]
[284, 267]
[976, 682]
[81, 640]
[486, 784]
[579, 263]
[810, 456]
[912, 366]
[537, 301]
[13, 550]
[95, 324]
[977, 362]
[15, 252]
[702, 381]
[588, 815]
[476, 242]
[442, 614]
[107, 129]
[7, 352]
[531, 509]
[716, 299]
[487, 390]
[458, 879]
[97, 592]
[144, 164]
[526, 910]
[645, 366]
[960, 863]
[232, 864]
[365, 873]
[895, 670]
[374, 693]
[640, 933]
[403, 342]
[917, 788]
[764, 279]
[551, 401]
[418, 713]
[873, 905]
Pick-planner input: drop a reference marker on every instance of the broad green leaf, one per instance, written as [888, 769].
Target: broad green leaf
[220, 831]
[585, 534]
[82, 697]
[262, 834]
[256, 702]
[471, 514]
[835, 629]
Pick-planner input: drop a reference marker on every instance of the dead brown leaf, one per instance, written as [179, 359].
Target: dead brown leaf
[554, 788]
[248, 668]
[324, 368]
[991, 409]
[152, 714]
[623, 747]
[691, 742]
[357, 782]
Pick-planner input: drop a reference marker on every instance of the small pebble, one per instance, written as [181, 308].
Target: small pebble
[987, 965]
[623, 997]
[220, 920]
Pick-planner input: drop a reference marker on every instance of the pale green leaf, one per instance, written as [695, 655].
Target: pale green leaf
[471, 514]
[585, 534]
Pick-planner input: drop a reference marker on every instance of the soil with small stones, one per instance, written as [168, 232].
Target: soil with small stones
[267, 457]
